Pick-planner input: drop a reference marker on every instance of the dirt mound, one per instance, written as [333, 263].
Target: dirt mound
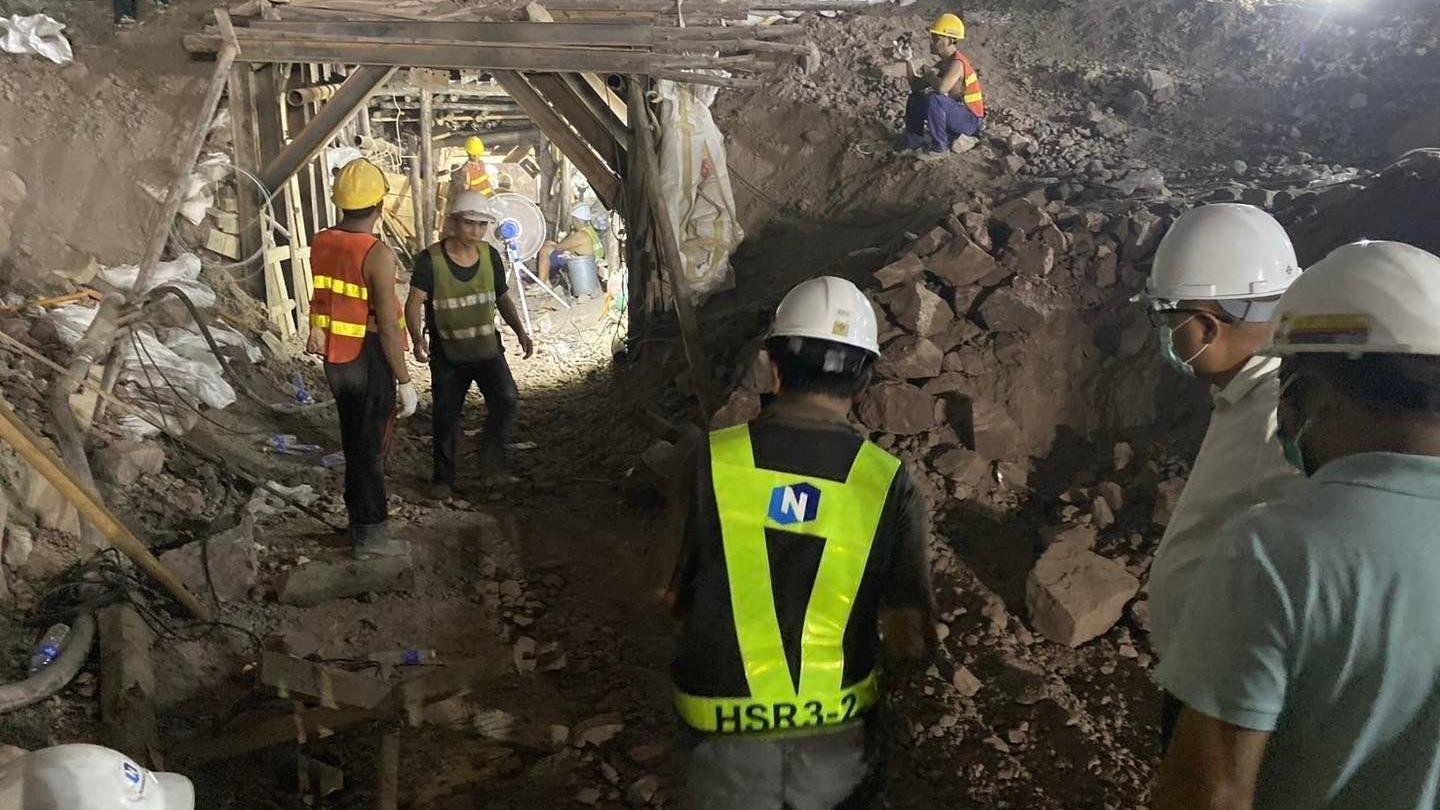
[1398, 203]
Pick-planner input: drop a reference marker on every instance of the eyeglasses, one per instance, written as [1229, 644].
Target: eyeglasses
[1158, 317]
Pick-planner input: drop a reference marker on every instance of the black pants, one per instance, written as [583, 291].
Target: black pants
[364, 392]
[450, 383]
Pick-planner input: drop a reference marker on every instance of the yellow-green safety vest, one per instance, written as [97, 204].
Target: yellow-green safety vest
[596, 243]
[464, 310]
[845, 516]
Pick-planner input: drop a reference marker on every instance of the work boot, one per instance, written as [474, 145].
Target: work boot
[441, 492]
[375, 541]
[963, 144]
[930, 157]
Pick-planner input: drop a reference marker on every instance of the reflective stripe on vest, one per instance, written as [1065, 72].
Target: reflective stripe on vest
[974, 96]
[340, 305]
[844, 516]
[464, 310]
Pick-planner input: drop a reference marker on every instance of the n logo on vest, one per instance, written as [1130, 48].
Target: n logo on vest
[797, 503]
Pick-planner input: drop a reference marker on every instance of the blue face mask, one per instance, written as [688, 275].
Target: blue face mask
[1167, 349]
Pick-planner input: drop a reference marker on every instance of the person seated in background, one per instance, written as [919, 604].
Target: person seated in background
[577, 255]
[1308, 669]
[946, 108]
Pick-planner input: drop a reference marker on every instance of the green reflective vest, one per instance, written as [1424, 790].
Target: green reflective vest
[596, 242]
[844, 515]
[465, 310]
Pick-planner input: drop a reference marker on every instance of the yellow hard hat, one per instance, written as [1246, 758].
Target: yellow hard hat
[359, 185]
[948, 25]
[474, 147]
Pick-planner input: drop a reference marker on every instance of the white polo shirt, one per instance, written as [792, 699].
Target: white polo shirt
[1240, 464]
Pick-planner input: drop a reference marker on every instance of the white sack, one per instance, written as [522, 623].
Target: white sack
[183, 272]
[36, 34]
[695, 183]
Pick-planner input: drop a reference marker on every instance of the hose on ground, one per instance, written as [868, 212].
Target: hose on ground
[55, 677]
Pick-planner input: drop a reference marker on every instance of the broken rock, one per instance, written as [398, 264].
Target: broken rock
[123, 462]
[318, 581]
[1021, 215]
[1082, 536]
[965, 682]
[896, 273]
[19, 542]
[961, 263]
[962, 465]
[1075, 595]
[919, 310]
[597, 731]
[226, 563]
[1017, 308]
[910, 358]
[898, 408]
[1160, 85]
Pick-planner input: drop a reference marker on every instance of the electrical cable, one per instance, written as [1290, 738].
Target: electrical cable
[179, 397]
[268, 200]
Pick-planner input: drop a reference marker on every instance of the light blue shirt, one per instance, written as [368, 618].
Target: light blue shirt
[1317, 618]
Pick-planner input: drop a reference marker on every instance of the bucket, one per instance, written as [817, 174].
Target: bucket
[584, 276]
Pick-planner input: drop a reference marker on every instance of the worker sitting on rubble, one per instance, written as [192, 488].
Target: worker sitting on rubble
[802, 540]
[577, 255]
[356, 325]
[79, 776]
[1309, 667]
[1216, 278]
[473, 174]
[456, 289]
[946, 108]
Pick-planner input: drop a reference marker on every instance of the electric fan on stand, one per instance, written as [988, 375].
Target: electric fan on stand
[521, 226]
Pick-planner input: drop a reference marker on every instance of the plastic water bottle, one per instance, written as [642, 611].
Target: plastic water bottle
[285, 444]
[333, 460]
[302, 394]
[49, 647]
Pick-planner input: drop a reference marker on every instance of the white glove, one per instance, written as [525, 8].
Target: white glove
[409, 400]
[903, 51]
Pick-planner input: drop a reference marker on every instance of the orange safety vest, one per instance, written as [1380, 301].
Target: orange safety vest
[478, 180]
[974, 97]
[340, 305]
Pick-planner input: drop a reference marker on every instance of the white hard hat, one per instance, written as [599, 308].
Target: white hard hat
[474, 206]
[827, 308]
[1380, 297]
[582, 213]
[89, 777]
[1224, 252]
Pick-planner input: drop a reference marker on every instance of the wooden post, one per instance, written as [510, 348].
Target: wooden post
[416, 195]
[17, 435]
[311, 140]
[387, 771]
[127, 682]
[427, 166]
[601, 176]
[669, 245]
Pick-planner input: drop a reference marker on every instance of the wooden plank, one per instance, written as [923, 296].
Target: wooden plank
[322, 128]
[387, 775]
[127, 682]
[463, 55]
[537, 13]
[331, 686]
[426, 146]
[612, 117]
[261, 734]
[603, 179]
[245, 140]
[478, 32]
[582, 118]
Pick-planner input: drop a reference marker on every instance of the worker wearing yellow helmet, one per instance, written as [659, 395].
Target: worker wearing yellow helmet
[357, 327]
[946, 108]
[472, 175]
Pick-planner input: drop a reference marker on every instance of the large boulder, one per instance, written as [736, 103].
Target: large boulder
[919, 310]
[226, 562]
[910, 358]
[961, 263]
[1021, 307]
[898, 408]
[1021, 215]
[123, 462]
[899, 272]
[1075, 595]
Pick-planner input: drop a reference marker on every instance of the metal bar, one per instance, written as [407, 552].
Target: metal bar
[322, 128]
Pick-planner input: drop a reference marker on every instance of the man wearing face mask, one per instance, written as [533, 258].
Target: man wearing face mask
[1308, 671]
[1216, 278]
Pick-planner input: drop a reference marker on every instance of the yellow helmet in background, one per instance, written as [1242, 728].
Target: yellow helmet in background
[474, 147]
[948, 25]
[359, 185]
